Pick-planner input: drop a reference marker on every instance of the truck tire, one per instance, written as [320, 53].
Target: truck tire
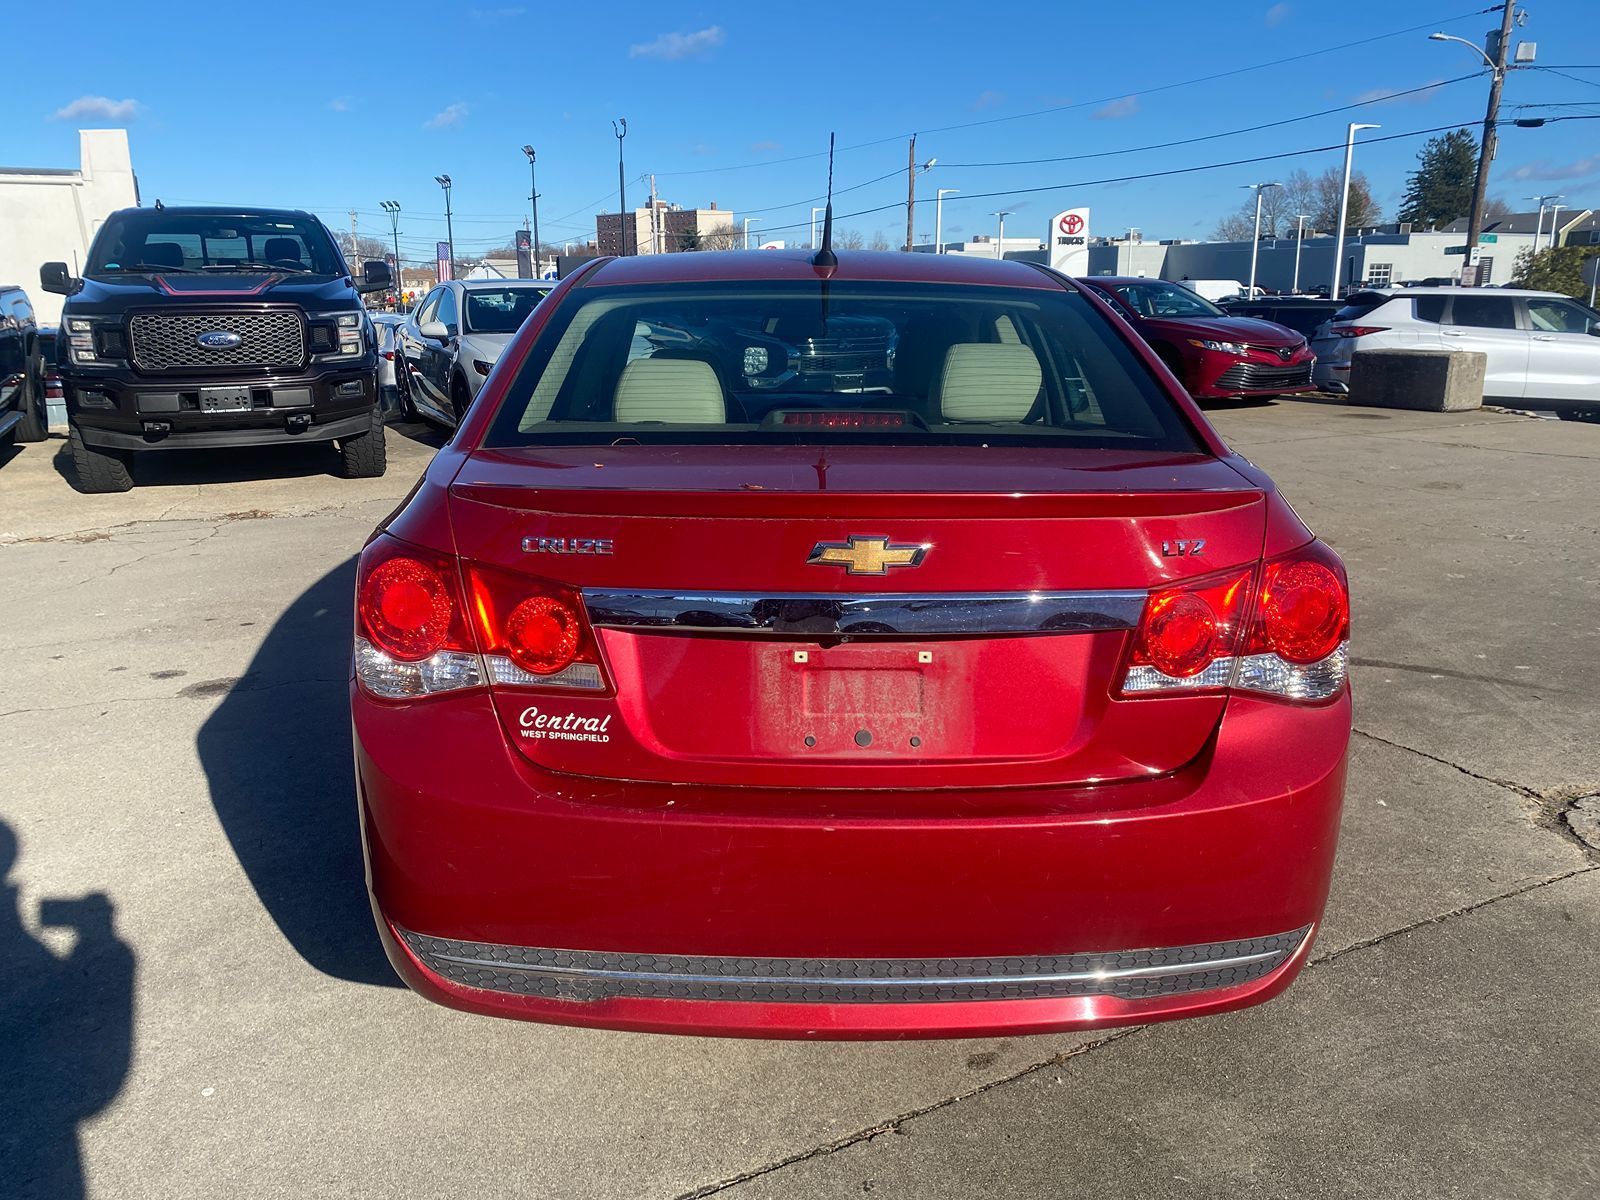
[100, 470]
[364, 456]
[34, 426]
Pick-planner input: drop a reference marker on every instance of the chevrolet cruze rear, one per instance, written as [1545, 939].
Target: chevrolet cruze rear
[864, 651]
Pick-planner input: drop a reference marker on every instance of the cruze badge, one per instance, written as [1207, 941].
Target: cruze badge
[567, 545]
[867, 555]
[218, 339]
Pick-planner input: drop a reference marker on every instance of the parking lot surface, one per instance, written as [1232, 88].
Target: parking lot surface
[223, 1022]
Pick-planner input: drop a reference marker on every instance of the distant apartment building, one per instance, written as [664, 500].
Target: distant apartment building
[665, 229]
[51, 214]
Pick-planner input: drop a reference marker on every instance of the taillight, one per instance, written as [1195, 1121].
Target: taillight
[533, 632]
[411, 631]
[1282, 630]
[1355, 331]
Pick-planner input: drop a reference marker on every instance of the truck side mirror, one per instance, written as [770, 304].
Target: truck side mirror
[54, 277]
[375, 277]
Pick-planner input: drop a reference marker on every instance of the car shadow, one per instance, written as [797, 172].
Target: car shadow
[277, 758]
[66, 1034]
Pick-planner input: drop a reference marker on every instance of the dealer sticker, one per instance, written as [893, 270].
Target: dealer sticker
[563, 727]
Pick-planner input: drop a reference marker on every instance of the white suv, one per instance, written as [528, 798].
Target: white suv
[1542, 347]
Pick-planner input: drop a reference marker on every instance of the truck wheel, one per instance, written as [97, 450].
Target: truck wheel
[100, 470]
[34, 426]
[364, 455]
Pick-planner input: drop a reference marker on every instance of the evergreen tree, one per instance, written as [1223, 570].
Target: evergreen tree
[1440, 189]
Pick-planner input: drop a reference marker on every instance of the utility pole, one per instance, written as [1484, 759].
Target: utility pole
[622, 198]
[533, 198]
[655, 220]
[354, 253]
[1486, 147]
[911, 189]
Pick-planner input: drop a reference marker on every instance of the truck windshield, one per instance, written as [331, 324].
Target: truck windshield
[177, 240]
[758, 361]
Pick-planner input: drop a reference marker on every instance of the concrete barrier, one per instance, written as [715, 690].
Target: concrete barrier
[1429, 380]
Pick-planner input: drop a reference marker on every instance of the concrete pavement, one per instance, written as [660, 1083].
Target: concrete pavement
[225, 1024]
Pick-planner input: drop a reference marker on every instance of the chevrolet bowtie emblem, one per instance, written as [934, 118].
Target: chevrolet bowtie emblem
[866, 555]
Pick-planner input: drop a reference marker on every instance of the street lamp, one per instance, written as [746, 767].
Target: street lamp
[1473, 46]
[449, 223]
[1255, 238]
[1299, 240]
[814, 213]
[1486, 144]
[1344, 206]
[533, 197]
[1554, 209]
[938, 217]
[747, 221]
[1000, 243]
[622, 199]
[392, 207]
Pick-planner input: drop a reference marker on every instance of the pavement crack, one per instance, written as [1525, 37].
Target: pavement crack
[1525, 792]
[195, 691]
[892, 1123]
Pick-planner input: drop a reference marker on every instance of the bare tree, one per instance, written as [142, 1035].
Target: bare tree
[1363, 209]
[1496, 206]
[722, 239]
[848, 239]
[878, 242]
[365, 248]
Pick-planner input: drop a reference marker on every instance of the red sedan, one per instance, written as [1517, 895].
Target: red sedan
[880, 648]
[1214, 356]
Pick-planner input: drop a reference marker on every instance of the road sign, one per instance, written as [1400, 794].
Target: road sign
[1455, 249]
[1491, 238]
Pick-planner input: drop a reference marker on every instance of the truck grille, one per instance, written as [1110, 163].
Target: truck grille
[1256, 377]
[842, 356]
[167, 341]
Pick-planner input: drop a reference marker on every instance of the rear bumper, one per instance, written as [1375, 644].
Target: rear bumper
[507, 890]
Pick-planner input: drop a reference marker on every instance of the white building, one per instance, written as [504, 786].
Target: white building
[50, 214]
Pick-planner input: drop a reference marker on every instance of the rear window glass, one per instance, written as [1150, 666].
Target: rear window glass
[755, 361]
[500, 309]
[1430, 308]
[1359, 304]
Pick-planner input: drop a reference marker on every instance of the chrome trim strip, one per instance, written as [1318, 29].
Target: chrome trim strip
[1169, 970]
[929, 614]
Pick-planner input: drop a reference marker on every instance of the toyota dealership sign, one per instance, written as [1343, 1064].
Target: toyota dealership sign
[1068, 240]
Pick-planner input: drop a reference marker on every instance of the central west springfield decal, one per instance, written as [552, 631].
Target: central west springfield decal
[563, 727]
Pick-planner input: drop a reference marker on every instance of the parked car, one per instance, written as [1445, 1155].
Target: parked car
[212, 328]
[1541, 347]
[386, 329]
[452, 339]
[1303, 314]
[665, 681]
[1215, 289]
[1214, 355]
[22, 390]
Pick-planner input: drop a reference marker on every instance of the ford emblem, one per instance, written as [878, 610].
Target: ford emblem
[218, 339]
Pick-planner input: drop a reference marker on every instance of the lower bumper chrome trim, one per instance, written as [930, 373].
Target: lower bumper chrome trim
[590, 975]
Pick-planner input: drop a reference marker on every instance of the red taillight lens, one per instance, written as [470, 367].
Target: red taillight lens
[845, 420]
[1186, 628]
[406, 608]
[1355, 331]
[542, 635]
[1304, 609]
[1179, 634]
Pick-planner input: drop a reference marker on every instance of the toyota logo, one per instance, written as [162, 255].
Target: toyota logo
[218, 339]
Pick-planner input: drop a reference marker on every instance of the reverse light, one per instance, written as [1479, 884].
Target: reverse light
[1220, 347]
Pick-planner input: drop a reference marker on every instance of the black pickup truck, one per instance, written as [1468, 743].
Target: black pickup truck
[215, 327]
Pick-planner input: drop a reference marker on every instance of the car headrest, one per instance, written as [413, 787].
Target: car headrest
[679, 390]
[284, 250]
[988, 381]
[162, 254]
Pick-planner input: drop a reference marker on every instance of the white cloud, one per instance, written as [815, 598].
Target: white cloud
[1276, 14]
[339, 104]
[765, 147]
[675, 46]
[101, 107]
[988, 100]
[1118, 109]
[1377, 95]
[447, 117]
[1544, 169]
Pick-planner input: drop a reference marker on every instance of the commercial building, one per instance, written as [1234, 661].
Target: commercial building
[50, 214]
[665, 229]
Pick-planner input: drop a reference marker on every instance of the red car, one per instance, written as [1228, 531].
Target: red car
[1214, 356]
[703, 686]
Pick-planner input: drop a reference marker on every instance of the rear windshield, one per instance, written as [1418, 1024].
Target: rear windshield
[805, 361]
[500, 309]
[175, 240]
[1359, 304]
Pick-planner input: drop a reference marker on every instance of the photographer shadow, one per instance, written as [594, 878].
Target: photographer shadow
[66, 1035]
[277, 757]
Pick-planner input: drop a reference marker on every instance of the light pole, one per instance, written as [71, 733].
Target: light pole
[938, 217]
[1000, 242]
[747, 222]
[622, 199]
[1554, 209]
[533, 197]
[1255, 238]
[449, 223]
[1486, 145]
[1299, 240]
[814, 213]
[1344, 206]
[392, 207]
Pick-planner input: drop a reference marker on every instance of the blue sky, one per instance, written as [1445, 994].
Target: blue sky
[734, 104]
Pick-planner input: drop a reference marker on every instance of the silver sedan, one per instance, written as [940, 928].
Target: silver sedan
[447, 346]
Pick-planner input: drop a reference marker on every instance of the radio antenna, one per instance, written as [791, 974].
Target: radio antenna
[825, 256]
